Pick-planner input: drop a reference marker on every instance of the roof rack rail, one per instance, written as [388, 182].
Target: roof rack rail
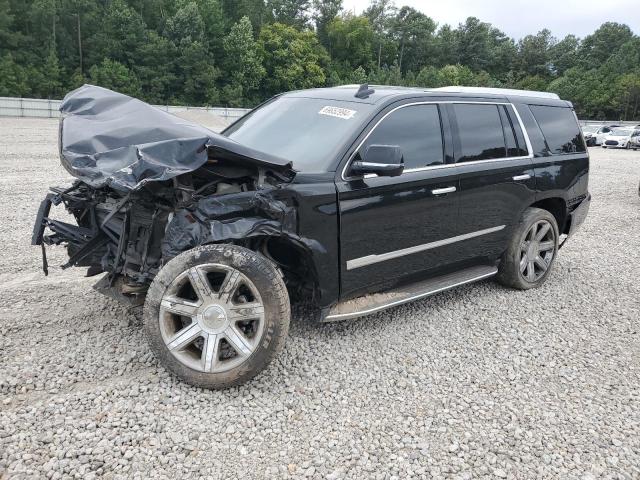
[498, 91]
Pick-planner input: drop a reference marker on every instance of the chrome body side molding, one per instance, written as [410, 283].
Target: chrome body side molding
[371, 259]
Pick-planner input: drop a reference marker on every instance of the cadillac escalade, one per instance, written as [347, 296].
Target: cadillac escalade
[351, 199]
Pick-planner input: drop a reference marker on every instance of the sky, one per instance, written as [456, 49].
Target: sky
[518, 18]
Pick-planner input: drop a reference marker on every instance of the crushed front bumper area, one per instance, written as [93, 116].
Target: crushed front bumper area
[119, 235]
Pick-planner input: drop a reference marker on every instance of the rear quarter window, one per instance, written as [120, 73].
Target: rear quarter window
[560, 129]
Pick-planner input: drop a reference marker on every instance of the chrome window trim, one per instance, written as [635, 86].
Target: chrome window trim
[444, 165]
[371, 259]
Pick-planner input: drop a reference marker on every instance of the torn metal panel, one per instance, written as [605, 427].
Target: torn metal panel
[111, 139]
[229, 217]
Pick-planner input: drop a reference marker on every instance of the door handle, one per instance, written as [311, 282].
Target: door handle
[442, 191]
[526, 176]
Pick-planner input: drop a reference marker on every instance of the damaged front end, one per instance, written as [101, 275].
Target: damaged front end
[150, 186]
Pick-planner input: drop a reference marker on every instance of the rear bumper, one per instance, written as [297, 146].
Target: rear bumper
[578, 214]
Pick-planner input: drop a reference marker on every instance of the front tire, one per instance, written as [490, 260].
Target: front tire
[217, 315]
[531, 251]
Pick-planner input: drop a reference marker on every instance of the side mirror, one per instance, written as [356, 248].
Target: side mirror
[383, 160]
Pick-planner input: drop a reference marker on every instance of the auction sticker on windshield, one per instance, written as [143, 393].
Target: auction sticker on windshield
[337, 112]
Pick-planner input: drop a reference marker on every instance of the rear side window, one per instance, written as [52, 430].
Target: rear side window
[480, 132]
[514, 140]
[560, 129]
[416, 129]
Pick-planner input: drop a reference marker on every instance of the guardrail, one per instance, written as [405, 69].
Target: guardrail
[43, 108]
[626, 123]
[37, 107]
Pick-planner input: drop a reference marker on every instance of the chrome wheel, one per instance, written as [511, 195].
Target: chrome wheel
[211, 318]
[537, 250]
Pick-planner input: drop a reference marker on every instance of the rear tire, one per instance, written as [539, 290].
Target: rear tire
[531, 251]
[217, 315]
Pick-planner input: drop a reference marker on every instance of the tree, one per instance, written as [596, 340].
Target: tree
[156, 68]
[535, 53]
[186, 25]
[115, 76]
[351, 39]
[197, 76]
[413, 32]
[292, 59]
[564, 54]
[324, 12]
[13, 80]
[598, 47]
[205, 51]
[121, 35]
[234, 10]
[473, 43]
[289, 12]
[243, 67]
[629, 96]
[51, 85]
[380, 13]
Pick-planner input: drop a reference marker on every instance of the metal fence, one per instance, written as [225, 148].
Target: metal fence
[36, 107]
[609, 122]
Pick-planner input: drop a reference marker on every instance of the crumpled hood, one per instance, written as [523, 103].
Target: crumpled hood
[111, 139]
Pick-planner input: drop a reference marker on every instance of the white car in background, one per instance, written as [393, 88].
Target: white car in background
[619, 137]
[594, 134]
[634, 142]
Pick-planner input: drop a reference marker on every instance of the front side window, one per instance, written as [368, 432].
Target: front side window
[416, 130]
[560, 129]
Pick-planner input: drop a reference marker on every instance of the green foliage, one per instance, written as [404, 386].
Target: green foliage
[115, 76]
[243, 65]
[292, 59]
[294, 13]
[239, 52]
[13, 78]
[350, 42]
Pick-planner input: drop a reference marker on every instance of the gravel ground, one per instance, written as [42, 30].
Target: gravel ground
[480, 382]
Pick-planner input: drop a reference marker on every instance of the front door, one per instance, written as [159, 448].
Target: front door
[393, 227]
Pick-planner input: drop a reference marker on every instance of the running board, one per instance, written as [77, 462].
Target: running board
[365, 305]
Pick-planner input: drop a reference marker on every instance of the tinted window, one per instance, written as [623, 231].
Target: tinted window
[560, 129]
[480, 132]
[416, 129]
[310, 132]
[514, 140]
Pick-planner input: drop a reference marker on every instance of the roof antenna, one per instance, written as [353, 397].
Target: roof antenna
[364, 91]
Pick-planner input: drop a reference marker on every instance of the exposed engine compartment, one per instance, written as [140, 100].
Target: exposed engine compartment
[131, 235]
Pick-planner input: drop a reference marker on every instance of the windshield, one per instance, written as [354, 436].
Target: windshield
[589, 129]
[307, 131]
[621, 132]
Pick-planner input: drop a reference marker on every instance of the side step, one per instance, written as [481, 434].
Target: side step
[375, 302]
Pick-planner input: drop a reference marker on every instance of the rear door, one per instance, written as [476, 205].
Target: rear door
[393, 227]
[496, 175]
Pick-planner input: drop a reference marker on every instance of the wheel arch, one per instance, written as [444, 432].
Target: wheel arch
[293, 259]
[557, 206]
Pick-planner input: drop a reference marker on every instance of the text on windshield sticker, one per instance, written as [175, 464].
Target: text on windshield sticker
[337, 112]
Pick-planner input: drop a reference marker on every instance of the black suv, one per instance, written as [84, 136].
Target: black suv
[349, 199]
